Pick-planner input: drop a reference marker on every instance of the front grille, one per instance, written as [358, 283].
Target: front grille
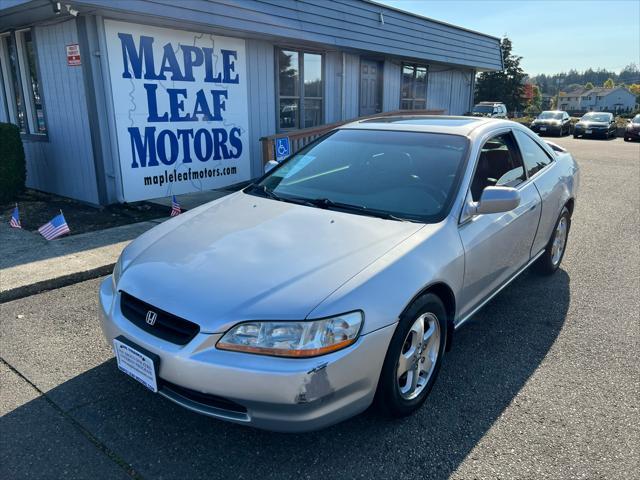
[167, 326]
[203, 399]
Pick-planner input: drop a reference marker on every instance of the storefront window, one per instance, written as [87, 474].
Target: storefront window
[413, 94]
[12, 85]
[21, 82]
[33, 85]
[300, 96]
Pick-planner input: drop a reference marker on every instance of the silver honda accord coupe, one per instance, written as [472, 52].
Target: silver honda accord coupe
[338, 279]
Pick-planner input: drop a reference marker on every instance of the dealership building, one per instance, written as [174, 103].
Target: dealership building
[128, 100]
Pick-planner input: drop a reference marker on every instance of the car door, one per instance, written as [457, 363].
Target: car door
[542, 171]
[497, 246]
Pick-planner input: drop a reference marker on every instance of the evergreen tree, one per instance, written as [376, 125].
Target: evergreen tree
[505, 86]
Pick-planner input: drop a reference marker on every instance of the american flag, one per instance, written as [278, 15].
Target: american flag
[14, 221]
[55, 228]
[175, 207]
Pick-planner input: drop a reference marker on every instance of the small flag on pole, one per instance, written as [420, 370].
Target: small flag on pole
[175, 207]
[55, 228]
[14, 221]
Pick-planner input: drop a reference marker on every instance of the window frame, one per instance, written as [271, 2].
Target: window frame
[517, 153]
[23, 76]
[301, 94]
[550, 157]
[413, 99]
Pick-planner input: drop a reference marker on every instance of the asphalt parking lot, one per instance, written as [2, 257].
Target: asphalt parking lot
[543, 383]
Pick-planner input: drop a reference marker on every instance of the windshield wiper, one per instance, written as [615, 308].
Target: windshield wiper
[329, 204]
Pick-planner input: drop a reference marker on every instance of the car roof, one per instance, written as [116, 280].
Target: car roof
[427, 123]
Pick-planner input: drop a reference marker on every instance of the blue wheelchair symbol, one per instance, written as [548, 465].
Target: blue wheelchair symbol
[283, 148]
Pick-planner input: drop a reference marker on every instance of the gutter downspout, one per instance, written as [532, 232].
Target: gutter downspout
[342, 88]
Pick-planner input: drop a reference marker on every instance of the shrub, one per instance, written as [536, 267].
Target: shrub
[12, 165]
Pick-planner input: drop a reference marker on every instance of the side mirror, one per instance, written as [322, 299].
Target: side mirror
[269, 165]
[496, 200]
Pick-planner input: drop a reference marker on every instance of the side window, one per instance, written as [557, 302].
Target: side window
[498, 165]
[535, 158]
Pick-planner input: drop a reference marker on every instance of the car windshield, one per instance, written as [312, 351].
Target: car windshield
[391, 174]
[636, 119]
[483, 109]
[550, 115]
[596, 117]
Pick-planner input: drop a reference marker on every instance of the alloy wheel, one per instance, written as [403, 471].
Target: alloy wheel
[559, 241]
[418, 356]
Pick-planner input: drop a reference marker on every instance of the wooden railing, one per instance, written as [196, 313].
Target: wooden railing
[299, 138]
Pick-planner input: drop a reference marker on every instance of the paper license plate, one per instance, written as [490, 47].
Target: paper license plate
[136, 363]
[587, 131]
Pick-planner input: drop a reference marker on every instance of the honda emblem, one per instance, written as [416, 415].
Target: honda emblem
[151, 317]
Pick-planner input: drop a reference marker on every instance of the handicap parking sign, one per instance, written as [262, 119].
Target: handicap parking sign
[283, 148]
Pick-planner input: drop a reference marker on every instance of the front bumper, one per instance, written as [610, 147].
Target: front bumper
[595, 131]
[548, 128]
[281, 394]
[633, 134]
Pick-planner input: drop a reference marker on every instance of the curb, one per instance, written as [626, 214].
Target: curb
[53, 283]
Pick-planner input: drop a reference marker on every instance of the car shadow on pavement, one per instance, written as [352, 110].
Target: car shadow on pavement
[492, 358]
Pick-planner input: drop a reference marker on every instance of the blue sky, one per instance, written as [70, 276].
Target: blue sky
[551, 35]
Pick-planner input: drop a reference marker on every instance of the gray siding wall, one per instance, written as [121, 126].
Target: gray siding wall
[351, 86]
[262, 97]
[333, 86]
[449, 90]
[339, 23]
[391, 85]
[64, 163]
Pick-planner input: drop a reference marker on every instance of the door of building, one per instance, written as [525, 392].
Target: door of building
[370, 87]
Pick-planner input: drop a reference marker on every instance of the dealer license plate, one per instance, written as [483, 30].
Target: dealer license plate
[135, 363]
[587, 131]
[543, 129]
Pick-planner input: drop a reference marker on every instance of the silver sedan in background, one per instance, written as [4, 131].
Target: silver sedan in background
[339, 278]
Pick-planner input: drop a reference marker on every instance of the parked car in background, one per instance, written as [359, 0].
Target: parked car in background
[632, 130]
[595, 124]
[340, 276]
[552, 121]
[489, 109]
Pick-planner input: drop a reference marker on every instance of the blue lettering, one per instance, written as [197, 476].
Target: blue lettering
[163, 136]
[130, 56]
[235, 141]
[202, 155]
[143, 149]
[152, 104]
[228, 65]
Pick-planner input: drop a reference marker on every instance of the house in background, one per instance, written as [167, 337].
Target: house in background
[618, 100]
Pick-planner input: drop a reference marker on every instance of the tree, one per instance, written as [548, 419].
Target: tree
[505, 86]
[535, 102]
[589, 86]
[609, 83]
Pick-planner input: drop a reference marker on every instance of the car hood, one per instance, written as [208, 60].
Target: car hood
[546, 121]
[248, 258]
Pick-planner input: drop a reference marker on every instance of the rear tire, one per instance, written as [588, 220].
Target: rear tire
[627, 139]
[575, 136]
[412, 364]
[553, 254]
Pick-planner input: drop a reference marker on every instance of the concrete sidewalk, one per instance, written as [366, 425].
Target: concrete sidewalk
[31, 264]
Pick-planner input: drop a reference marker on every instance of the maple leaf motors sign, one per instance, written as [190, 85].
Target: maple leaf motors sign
[181, 109]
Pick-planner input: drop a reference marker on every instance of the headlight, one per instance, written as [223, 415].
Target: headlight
[117, 270]
[294, 339]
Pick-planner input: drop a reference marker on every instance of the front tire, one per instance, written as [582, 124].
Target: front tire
[413, 358]
[553, 254]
